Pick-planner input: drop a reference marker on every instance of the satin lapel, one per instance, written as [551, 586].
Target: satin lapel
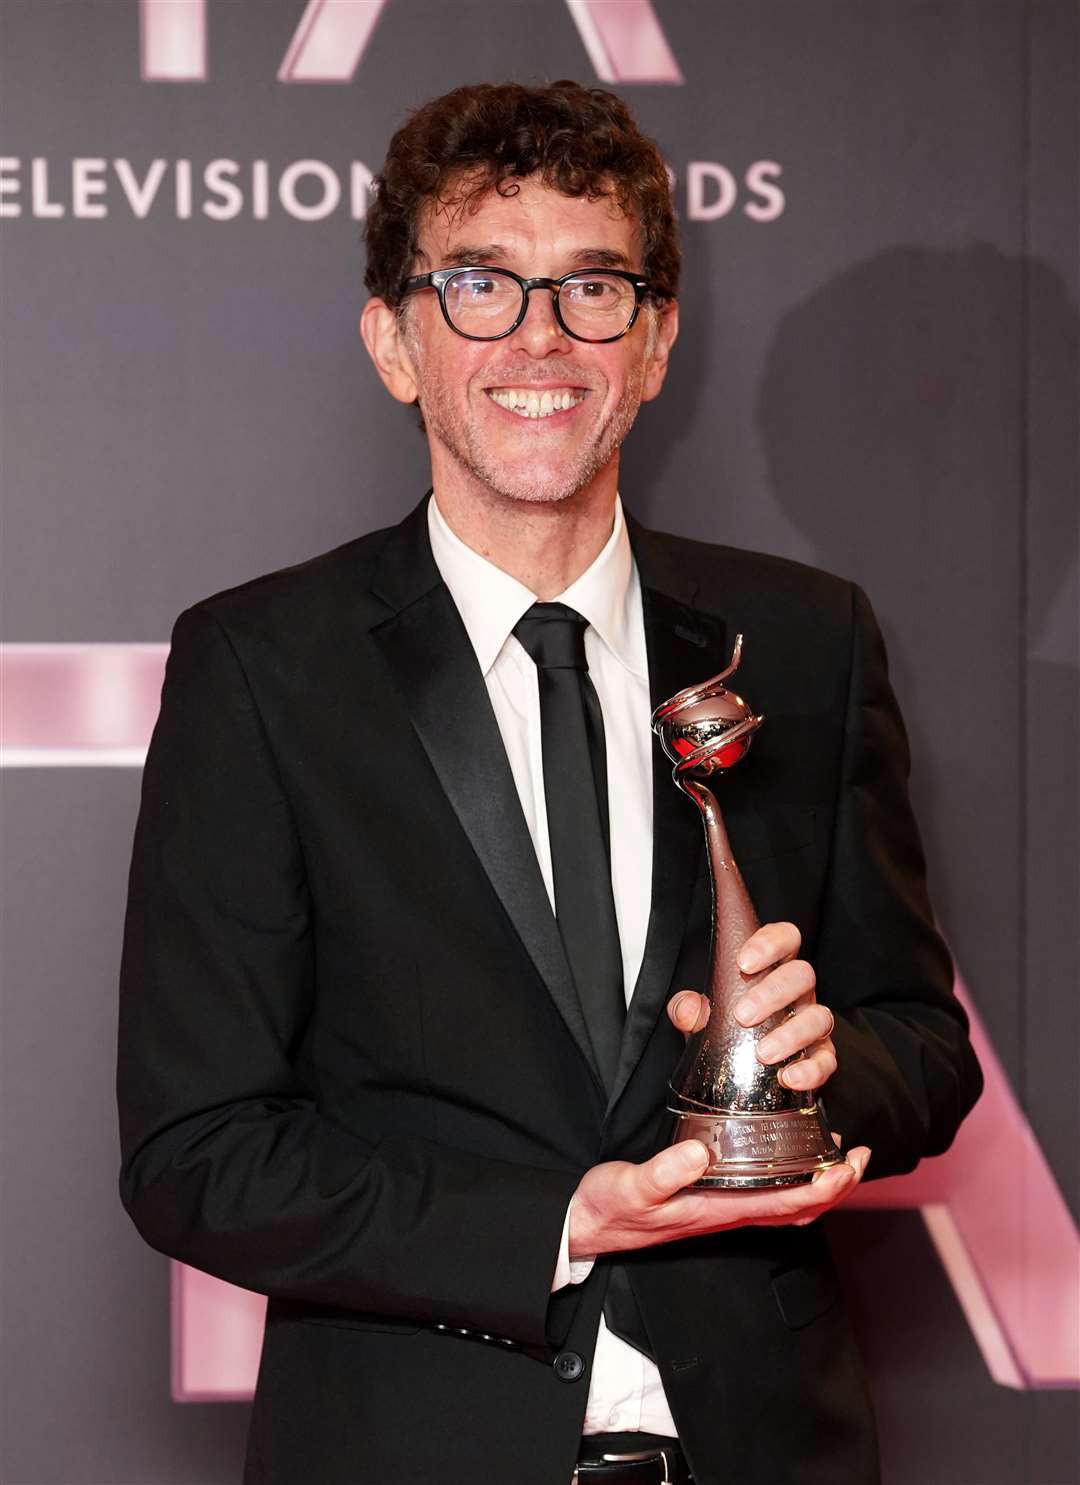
[427, 649]
[684, 646]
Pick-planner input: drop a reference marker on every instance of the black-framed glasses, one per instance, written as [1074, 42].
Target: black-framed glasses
[591, 304]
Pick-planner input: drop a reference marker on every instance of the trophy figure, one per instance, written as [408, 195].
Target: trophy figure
[758, 1132]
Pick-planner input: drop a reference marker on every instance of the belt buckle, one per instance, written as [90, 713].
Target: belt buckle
[638, 1458]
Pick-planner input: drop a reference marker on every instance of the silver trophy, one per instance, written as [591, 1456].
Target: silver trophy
[758, 1132]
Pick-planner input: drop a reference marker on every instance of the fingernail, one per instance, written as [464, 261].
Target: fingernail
[795, 1076]
[749, 960]
[680, 1004]
[688, 1158]
[768, 1048]
[746, 1010]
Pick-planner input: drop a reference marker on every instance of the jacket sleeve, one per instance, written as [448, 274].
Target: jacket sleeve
[227, 1162]
[906, 1073]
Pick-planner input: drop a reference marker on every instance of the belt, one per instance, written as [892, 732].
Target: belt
[619, 1465]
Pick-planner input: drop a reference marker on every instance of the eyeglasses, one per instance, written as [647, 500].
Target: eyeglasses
[594, 304]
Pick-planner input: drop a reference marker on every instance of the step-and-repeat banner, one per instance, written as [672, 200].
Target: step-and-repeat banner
[877, 373]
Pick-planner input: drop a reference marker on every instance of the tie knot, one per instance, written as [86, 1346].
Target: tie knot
[553, 635]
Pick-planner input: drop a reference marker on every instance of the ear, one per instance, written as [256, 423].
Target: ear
[380, 331]
[666, 332]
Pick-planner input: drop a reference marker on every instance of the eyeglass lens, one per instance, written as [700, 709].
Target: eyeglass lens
[485, 302]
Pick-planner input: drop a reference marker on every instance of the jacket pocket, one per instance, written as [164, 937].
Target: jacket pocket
[804, 1294]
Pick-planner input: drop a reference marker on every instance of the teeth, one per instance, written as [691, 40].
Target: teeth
[528, 404]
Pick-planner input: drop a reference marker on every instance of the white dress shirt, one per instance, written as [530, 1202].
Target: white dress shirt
[626, 1393]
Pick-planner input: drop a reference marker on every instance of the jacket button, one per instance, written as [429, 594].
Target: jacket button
[568, 1366]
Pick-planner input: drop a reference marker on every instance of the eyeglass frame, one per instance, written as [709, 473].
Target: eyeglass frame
[438, 278]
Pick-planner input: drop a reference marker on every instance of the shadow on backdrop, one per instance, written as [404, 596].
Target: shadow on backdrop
[919, 424]
[918, 418]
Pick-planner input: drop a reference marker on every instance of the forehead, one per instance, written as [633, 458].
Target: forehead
[536, 219]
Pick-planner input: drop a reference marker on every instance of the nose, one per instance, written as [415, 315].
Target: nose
[540, 333]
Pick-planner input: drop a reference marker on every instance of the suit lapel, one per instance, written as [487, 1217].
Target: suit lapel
[684, 645]
[427, 649]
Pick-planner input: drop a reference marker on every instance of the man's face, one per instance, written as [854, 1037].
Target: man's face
[465, 387]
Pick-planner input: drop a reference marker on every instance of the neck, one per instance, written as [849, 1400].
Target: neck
[545, 545]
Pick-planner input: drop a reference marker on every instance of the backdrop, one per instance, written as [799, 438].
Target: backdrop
[877, 373]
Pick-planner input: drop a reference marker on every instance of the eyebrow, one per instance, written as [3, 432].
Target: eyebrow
[491, 254]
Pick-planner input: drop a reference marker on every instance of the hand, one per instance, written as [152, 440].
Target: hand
[618, 1206]
[790, 986]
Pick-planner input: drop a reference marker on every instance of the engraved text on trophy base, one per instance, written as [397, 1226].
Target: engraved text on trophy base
[756, 1150]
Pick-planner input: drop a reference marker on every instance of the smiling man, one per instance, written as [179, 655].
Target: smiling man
[526, 405]
[414, 902]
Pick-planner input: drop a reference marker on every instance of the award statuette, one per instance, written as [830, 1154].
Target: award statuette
[758, 1133]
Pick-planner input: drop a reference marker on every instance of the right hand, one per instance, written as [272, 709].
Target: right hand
[618, 1205]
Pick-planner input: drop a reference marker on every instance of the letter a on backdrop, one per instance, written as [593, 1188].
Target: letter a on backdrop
[623, 38]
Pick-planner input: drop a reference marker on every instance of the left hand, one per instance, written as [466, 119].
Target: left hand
[790, 985]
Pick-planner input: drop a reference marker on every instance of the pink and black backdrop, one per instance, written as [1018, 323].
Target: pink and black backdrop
[877, 373]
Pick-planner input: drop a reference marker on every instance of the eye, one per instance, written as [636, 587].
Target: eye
[593, 290]
[474, 287]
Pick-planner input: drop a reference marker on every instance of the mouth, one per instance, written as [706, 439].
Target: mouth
[527, 402]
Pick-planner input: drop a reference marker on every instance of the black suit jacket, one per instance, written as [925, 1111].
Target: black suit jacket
[353, 1070]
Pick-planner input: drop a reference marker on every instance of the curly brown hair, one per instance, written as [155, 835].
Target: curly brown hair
[488, 136]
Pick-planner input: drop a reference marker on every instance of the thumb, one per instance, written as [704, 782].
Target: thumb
[688, 1011]
[667, 1173]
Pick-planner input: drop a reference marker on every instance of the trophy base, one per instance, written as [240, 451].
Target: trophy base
[750, 1152]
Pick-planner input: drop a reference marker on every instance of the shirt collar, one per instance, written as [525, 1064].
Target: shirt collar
[491, 602]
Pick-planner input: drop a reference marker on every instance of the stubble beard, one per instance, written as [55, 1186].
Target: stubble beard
[449, 426]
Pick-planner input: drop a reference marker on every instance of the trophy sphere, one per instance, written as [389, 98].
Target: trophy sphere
[706, 729]
[710, 736]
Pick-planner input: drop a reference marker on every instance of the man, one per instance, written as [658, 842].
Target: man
[412, 887]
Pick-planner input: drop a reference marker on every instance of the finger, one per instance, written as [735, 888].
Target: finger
[859, 1159]
[809, 1026]
[799, 1205]
[834, 1180]
[771, 944]
[693, 1212]
[785, 986]
[811, 1071]
[854, 1160]
[688, 1011]
[658, 1179]
[702, 1211]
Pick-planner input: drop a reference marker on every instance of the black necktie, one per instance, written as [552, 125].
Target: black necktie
[575, 788]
